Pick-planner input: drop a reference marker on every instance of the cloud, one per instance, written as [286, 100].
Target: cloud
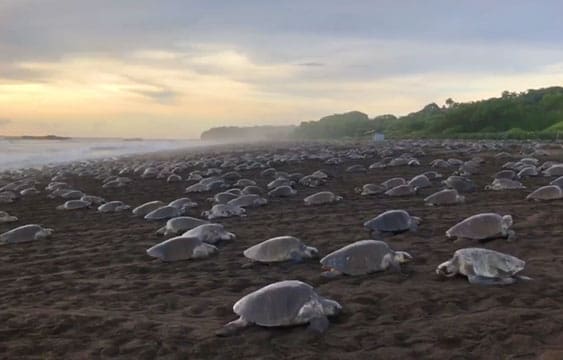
[4, 122]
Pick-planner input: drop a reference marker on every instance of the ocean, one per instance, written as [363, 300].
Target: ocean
[22, 153]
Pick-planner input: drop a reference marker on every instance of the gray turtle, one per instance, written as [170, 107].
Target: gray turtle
[401, 190]
[183, 204]
[483, 227]
[74, 205]
[505, 184]
[483, 267]
[113, 206]
[460, 183]
[181, 248]
[445, 197]
[95, 200]
[320, 198]
[281, 248]
[144, 209]
[210, 233]
[223, 211]
[420, 182]
[554, 170]
[7, 218]
[363, 257]
[392, 222]
[252, 189]
[250, 200]
[25, 233]
[548, 192]
[370, 189]
[282, 191]
[164, 213]
[393, 182]
[180, 224]
[283, 303]
[558, 182]
[223, 197]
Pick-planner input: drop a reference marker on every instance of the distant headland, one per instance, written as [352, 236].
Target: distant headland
[32, 137]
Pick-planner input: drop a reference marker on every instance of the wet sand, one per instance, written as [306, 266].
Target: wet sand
[91, 291]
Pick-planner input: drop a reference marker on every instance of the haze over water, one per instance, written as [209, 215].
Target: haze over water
[18, 153]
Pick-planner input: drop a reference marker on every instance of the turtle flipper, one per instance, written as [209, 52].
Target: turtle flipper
[332, 273]
[481, 280]
[232, 328]
[296, 257]
[318, 324]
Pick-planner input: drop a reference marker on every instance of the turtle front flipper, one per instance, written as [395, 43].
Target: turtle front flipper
[487, 281]
[318, 324]
[232, 328]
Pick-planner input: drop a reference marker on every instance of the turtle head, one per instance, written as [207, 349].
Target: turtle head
[506, 223]
[44, 233]
[460, 199]
[228, 236]
[402, 257]
[331, 307]
[338, 198]
[449, 268]
[311, 252]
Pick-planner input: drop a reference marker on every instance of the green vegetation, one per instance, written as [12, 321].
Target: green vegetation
[530, 114]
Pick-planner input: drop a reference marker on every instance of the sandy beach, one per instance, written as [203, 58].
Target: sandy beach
[91, 291]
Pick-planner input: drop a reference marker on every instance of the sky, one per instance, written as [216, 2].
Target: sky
[173, 68]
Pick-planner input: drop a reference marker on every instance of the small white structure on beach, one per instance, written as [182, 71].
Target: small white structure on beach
[377, 137]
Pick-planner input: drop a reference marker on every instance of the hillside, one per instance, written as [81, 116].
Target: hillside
[252, 133]
[534, 113]
[530, 114]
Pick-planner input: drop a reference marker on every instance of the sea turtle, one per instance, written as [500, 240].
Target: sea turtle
[558, 182]
[181, 248]
[401, 190]
[460, 183]
[483, 226]
[370, 189]
[505, 184]
[164, 213]
[223, 197]
[74, 205]
[113, 206]
[96, 200]
[25, 233]
[282, 191]
[444, 197]
[281, 248]
[210, 233]
[483, 267]
[284, 303]
[363, 257]
[393, 182]
[252, 189]
[183, 204]
[223, 211]
[420, 182]
[548, 192]
[7, 218]
[392, 222]
[554, 170]
[147, 207]
[323, 197]
[250, 200]
[180, 224]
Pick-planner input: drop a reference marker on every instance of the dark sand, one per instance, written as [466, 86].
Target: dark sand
[91, 291]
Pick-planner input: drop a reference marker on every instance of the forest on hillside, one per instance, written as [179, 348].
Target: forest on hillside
[530, 114]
